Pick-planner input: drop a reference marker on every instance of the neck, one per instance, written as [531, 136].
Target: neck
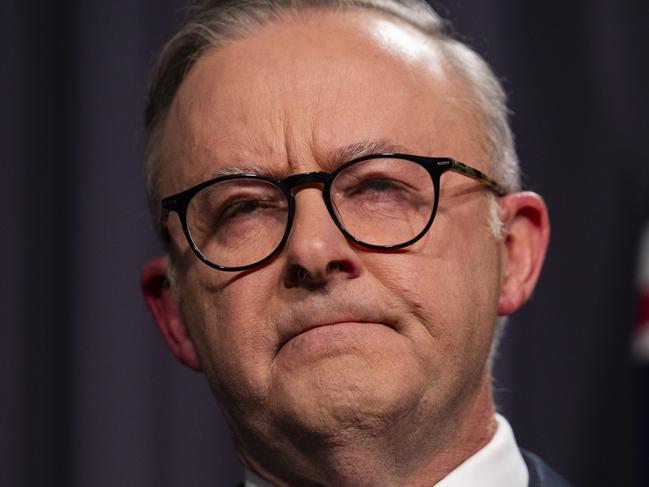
[417, 450]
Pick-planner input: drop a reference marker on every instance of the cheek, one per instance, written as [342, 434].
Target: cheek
[448, 285]
[232, 329]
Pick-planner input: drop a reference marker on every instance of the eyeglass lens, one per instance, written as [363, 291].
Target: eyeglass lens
[381, 201]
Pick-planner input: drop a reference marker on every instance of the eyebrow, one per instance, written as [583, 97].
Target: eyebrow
[247, 169]
[360, 149]
[333, 160]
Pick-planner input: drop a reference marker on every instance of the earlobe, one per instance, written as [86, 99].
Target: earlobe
[527, 227]
[165, 310]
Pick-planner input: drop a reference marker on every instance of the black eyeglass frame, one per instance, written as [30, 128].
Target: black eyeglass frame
[436, 166]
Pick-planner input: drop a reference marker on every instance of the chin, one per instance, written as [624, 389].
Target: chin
[347, 394]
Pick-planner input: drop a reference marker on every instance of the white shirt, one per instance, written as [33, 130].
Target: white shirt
[498, 464]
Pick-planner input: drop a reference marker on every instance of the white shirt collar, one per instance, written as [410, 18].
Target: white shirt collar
[498, 463]
[253, 480]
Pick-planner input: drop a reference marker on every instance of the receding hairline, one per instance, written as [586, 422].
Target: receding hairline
[433, 28]
[429, 66]
[154, 119]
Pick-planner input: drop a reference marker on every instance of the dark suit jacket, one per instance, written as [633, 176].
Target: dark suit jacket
[540, 474]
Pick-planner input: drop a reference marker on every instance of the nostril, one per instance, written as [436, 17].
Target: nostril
[337, 265]
[301, 274]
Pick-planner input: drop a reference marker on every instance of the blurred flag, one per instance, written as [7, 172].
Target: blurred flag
[641, 335]
[641, 356]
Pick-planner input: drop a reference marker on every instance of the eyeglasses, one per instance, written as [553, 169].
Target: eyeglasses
[380, 202]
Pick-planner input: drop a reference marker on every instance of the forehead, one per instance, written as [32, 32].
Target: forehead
[299, 90]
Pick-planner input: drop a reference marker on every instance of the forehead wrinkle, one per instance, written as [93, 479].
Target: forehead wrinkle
[182, 140]
[330, 159]
[299, 121]
[331, 162]
[288, 133]
[197, 134]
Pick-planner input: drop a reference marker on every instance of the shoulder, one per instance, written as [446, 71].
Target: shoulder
[541, 475]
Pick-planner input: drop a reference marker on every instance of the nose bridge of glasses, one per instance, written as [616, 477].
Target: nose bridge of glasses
[308, 206]
[305, 179]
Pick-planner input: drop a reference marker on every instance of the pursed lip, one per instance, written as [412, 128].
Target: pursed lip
[301, 327]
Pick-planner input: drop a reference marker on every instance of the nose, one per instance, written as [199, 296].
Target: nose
[316, 251]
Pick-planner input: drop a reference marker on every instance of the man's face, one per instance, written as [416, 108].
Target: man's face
[370, 338]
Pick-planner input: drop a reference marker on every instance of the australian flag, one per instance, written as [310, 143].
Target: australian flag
[641, 358]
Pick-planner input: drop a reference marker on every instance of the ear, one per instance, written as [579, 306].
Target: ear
[166, 312]
[527, 232]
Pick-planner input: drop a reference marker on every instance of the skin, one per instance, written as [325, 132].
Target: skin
[373, 370]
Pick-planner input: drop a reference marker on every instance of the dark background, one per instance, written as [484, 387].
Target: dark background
[89, 394]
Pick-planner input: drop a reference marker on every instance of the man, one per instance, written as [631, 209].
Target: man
[337, 188]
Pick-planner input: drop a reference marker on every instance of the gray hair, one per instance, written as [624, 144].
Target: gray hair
[212, 22]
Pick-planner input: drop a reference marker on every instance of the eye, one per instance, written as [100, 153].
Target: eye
[374, 188]
[377, 185]
[239, 209]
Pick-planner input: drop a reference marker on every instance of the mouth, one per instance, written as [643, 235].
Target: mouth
[331, 324]
[330, 329]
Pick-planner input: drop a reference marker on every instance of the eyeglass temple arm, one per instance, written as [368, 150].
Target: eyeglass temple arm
[479, 176]
[167, 206]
